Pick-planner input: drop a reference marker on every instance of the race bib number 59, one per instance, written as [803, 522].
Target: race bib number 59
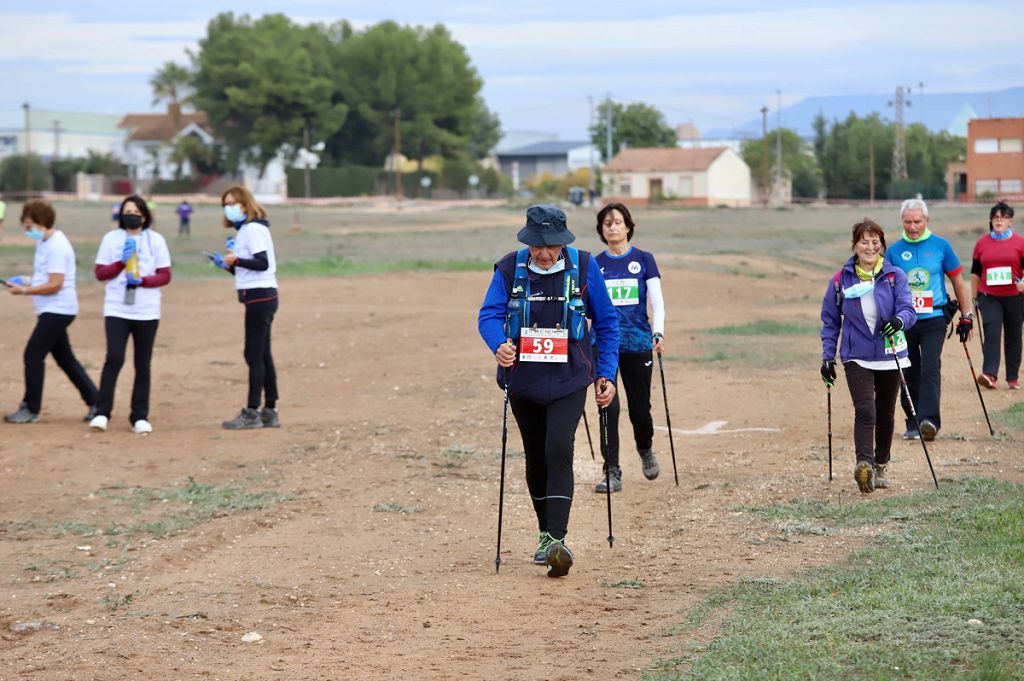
[544, 345]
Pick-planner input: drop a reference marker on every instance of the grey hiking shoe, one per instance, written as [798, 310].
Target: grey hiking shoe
[928, 430]
[540, 556]
[270, 418]
[863, 474]
[246, 419]
[23, 415]
[649, 462]
[559, 558]
[911, 434]
[615, 475]
[881, 480]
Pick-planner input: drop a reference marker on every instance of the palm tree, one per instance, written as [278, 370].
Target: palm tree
[170, 83]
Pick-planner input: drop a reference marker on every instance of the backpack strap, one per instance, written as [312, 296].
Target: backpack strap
[838, 288]
[521, 283]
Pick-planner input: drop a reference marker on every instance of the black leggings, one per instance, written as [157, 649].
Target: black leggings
[549, 432]
[636, 370]
[259, 316]
[874, 407]
[1003, 313]
[143, 334]
[51, 337]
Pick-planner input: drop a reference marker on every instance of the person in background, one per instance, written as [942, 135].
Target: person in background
[52, 287]
[185, 219]
[632, 278]
[250, 257]
[997, 283]
[927, 258]
[3, 212]
[868, 301]
[135, 263]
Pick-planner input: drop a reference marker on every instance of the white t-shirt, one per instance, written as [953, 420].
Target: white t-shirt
[255, 238]
[55, 256]
[870, 309]
[153, 254]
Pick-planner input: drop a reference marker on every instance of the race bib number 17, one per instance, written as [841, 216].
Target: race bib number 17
[544, 345]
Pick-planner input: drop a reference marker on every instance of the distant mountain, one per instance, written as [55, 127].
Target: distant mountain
[938, 111]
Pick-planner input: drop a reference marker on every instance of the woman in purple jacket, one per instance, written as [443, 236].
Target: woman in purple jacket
[873, 299]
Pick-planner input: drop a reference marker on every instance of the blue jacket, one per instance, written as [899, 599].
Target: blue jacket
[892, 298]
[543, 382]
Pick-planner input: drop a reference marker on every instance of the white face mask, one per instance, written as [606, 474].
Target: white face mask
[557, 267]
[859, 290]
[233, 213]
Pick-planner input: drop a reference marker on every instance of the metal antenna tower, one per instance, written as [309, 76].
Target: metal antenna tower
[899, 149]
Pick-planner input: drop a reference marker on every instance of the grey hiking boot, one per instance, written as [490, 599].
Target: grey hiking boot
[23, 415]
[246, 419]
[559, 558]
[615, 475]
[911, 434]
[863, 474]
[928, 430]
[540, 556]
[881, 480]
[649, 462]
[270, 418]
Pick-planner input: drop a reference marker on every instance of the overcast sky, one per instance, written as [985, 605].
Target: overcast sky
[712, 63]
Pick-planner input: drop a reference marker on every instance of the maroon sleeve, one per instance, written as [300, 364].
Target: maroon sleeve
[162, 277]
[106, 272]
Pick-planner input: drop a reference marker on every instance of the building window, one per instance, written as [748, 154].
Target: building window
[986, 145]
[982, 187]
[625, 188]
[1011, 145]
[1010, 186]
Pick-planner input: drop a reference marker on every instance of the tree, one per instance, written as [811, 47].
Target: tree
[420, 76]
[194, 150]
[797, 161]
[13, 174]
[170, 84]
[263, 83]
[635, 125]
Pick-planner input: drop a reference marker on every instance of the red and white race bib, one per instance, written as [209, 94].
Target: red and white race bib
[544, 345]
[923, 301]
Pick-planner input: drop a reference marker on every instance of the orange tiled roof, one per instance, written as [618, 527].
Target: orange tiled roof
[160, 127]
[667, 159]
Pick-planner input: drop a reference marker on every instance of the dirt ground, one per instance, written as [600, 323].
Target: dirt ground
[379, 563]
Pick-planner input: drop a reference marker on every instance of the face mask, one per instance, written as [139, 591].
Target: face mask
[34, 233]
[234, 213]
[131, 221]
[859, 290]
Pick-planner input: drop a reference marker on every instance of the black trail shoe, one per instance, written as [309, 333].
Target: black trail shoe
[246, 419]
[23, 415]
[270, 418]
[864, 475]
[911, 434]
[559, 559]
[649, 462]
[91, 414]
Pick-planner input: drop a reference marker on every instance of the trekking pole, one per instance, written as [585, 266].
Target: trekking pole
[668, 419]
[829, 389]
[981, 333]
[603, 413]
[978, 388]
[589, 441]
[501, 487]
[913, 413]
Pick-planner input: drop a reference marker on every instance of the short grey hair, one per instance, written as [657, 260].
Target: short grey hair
[914, 204]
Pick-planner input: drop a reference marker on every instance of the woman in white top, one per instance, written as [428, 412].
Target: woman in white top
[135, 263]
[52, 287]
[250, 257]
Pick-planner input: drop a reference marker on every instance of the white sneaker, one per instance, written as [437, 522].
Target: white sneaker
[98, 423]
[142, 427]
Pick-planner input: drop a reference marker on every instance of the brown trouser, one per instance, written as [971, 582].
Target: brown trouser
[874, 396]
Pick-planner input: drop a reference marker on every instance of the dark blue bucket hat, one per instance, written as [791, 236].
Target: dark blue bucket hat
[545, 226]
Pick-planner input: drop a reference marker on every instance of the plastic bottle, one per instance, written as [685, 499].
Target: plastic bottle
[132, 268]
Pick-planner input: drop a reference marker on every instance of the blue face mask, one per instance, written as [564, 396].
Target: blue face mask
[34, 233]
[859, 290]
[234, 213]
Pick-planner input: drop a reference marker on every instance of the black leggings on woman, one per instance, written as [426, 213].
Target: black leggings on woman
[636, 370]
[1001, 313]
[259, 316]
[143, 333]
[51, 336]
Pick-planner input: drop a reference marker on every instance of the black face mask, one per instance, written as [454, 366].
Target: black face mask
[131, 221]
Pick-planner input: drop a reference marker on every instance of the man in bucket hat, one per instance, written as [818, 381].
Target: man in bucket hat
[533, 319]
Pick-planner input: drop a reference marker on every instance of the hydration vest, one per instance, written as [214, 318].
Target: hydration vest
[517, 310]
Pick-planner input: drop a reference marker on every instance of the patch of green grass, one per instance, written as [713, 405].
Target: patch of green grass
[53, 570]
[766, 327]
[392, 507]
[898, 608]
[116, 601]
[624, 584]
[1013, 416]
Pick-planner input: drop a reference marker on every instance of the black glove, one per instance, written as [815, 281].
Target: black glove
[963, 328]
[891, 326]
[828, 372]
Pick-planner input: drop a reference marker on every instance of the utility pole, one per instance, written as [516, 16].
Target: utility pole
[778, 149]
[920, 102]
[608, 129]
[28, 152]
[56, 139]
[395, 154]
[764, 158]
[899, 152]
[592, 179]
[871, 163]
[305, 173]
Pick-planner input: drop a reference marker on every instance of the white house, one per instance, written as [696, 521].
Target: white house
[151, 137]
[691, 177]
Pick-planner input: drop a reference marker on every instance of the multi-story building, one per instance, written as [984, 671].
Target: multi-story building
[995, 162]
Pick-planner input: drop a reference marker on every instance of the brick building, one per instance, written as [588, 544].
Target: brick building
[995, 162]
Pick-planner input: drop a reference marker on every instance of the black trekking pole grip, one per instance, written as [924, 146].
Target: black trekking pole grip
[829, 389]
[668, 419]
[603, 413]
[501, 486]
[917, 421]
[977, 387]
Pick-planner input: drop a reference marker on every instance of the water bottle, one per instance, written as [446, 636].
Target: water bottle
[577, 317]
[513, 316]
[132, 268]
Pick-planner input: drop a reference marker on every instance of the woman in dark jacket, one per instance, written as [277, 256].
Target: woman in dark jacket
[869, 302]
